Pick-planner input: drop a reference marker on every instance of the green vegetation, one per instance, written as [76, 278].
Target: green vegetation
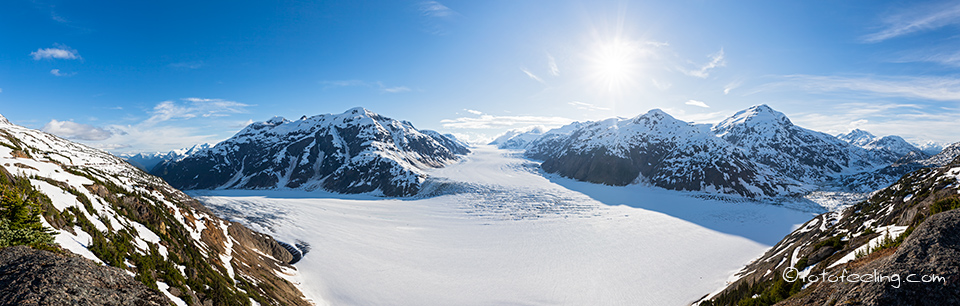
[944, 205]
[759, 294]
[835, 242]
[20, 209]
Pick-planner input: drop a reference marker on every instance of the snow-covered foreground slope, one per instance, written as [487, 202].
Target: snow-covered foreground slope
[501, 233]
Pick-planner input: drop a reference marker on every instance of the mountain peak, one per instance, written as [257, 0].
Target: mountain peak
[276, 120]
[757, 115]
[3, 120]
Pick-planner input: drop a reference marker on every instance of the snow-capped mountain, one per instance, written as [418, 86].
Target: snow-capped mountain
[887, 148]
[147, 161]
[931, 148]
[770, 138]
[357, 151]
[945, 156]
[108, 211]
[659, 149]
[518, 138]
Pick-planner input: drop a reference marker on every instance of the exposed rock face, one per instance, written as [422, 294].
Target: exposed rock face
[34, 277]
[831, 242]
[661, 150]
[932, 249]
[355, 152]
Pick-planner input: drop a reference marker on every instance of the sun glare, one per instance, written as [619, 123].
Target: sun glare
[614, 64]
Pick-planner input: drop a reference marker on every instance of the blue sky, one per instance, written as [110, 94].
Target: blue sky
[130, 76]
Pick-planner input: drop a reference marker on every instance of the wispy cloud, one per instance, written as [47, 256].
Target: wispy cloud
[716, 60]
[187, 65]
[885, 119]
[918, 19]
[192, 108]
[475, 112]
[929, 88]
[73, 130]
[435, 16]
[532, 76]
[552, 62]
[587, 106]
[697, 103]
[57, 72]
[394, 89]
[731, 86]
[658, 44]
[500, 122]
[60, 52]
[352, 83]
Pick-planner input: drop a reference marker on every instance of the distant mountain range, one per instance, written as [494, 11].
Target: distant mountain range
[757, 152]
[358, 151]
[148, 161]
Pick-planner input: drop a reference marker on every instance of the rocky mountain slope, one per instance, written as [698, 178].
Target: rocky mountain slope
[659, 149]
[901, 229]
[357, 151]
[108, 211]
[762, 154]
[31, 277]
[147, 161]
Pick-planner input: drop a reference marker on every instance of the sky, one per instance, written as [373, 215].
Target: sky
[143, 76]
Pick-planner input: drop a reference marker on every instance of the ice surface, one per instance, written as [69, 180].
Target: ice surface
[496, 231]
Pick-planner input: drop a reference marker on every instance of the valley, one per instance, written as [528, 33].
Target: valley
[494, 229]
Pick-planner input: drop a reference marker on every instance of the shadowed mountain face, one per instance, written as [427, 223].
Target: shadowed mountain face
[661, 150]
[757, 152]
[354, 152]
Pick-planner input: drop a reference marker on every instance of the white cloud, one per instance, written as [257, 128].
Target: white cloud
[587, 106]
[500, 122]
[352, 83]
[170, 110]
[73, 130]
[939, 124]
[187, 65]
[716, 60]
[657, 44]
[435, 9]
[435, 17]
[57, 72]
[929, 88]
[661, 85]
[475, 112]
[552, 62]
[62, 52]
[915, 20]
[697, 103]
[731, 86]
[532, 76]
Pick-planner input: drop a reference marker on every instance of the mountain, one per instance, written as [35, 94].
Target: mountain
[661, 150]
[106, 210]
[357, 151]
[906, 228]
[770, 138]
[931, 147]
[518, 138]
[945, 156]
[887, 147]
[147, 161]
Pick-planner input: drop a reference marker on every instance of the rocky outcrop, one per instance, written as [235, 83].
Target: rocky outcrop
[34, 277]
[906, 228]
[930, 256]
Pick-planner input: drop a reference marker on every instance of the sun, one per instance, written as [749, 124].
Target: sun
[614, 64]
